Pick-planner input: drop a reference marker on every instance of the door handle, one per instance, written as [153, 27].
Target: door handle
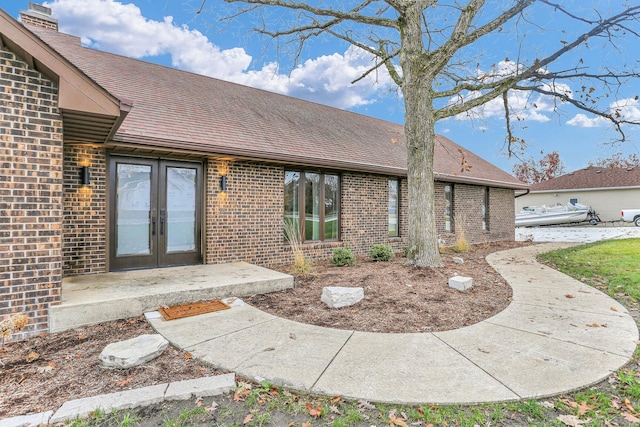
[162, 216]
[153, 223]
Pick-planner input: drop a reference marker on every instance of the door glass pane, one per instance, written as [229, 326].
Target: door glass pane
[292, 200]
[312, 206]
[133, 206]
[331, 197]
[180, 216]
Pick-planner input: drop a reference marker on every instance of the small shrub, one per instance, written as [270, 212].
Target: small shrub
[301, 265]
[405, 251]
[462, 245]
[381, 252]
[12, 324]
[343, 256]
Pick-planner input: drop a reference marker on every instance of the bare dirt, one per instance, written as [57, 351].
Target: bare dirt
[43, 372]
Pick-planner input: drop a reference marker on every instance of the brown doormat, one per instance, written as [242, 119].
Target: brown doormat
[192, 309]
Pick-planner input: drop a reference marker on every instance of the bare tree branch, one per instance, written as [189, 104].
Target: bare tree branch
[460, 38]
[353, 15]
[533, 71]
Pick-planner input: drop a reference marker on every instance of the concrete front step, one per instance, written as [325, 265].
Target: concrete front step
[92, 299]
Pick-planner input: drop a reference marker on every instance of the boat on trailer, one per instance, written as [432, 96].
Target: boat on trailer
[557, 214]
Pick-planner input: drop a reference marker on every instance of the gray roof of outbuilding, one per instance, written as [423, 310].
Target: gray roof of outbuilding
[592, 177]
[174, 109]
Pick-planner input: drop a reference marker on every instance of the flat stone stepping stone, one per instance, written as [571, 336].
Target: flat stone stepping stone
[337, 296]
[133, 352]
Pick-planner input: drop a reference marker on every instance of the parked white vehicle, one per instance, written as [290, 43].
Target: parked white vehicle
[631, 215]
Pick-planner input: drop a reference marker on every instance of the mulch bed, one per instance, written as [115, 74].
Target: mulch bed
[398, 298]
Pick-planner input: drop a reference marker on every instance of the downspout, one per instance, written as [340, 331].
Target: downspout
[125, 106]
[523, 194]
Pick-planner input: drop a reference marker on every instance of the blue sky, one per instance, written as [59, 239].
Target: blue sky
[171, 33]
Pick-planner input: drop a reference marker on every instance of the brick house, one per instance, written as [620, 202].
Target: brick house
[109, 163]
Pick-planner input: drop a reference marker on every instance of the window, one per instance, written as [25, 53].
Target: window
[448, 208]
[394, 223]
[312, 203]
[485, 209]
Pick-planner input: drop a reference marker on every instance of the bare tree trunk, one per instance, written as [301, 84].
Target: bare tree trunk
[420, 134]
[423, 238]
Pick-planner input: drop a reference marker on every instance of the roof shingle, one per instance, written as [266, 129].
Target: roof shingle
[180, 110]
[590, 178]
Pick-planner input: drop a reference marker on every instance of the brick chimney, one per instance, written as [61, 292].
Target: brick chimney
[38, 15]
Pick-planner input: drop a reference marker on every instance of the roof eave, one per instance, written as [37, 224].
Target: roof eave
[80, 99]
[479, 181]
[564, 190]
[123, 140]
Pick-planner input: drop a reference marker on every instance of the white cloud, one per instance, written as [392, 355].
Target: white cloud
[581, 120]
[627, 109]
[121, 28]
[623, 109]
[523, 105]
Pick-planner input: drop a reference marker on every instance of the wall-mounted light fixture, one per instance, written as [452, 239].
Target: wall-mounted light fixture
[223, 183]
[85, 177]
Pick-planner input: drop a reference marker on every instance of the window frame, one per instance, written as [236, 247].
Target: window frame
[485, 209]
[302, 184]
[449, 224]
[396, 232]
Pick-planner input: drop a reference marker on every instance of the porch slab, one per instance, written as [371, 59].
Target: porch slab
[97, 298]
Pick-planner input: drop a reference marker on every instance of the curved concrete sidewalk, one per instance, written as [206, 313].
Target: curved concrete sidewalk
[542, 344]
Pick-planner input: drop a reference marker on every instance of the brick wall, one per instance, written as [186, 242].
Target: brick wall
[467, 214]
[501, 214]
[52, 24]
[365, 212]
[244, 223]
[39, 16]
[31, 194]
[85, 212]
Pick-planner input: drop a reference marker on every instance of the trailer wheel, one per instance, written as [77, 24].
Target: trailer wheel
[636, 221]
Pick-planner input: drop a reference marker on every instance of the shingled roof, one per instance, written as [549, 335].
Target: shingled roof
[178, 110]
[592, 178]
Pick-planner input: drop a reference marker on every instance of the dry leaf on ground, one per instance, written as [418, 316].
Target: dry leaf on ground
[314, 411]
[572, 420]
[631, 418]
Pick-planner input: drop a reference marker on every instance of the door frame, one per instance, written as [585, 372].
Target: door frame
[159, 257]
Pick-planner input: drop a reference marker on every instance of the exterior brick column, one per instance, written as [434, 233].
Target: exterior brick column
[30, 194]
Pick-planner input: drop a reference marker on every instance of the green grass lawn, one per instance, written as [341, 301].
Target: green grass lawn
[612, 266]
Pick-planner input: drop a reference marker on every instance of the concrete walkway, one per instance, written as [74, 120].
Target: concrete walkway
[556, 336]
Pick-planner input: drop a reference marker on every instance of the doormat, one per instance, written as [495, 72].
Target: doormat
[192, 309]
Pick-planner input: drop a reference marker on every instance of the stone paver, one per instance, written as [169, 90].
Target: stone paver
[133, 352]
[39, 419]
[80, 408]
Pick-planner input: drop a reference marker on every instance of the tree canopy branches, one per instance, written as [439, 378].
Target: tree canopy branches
[442, 55]
[467, 23]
